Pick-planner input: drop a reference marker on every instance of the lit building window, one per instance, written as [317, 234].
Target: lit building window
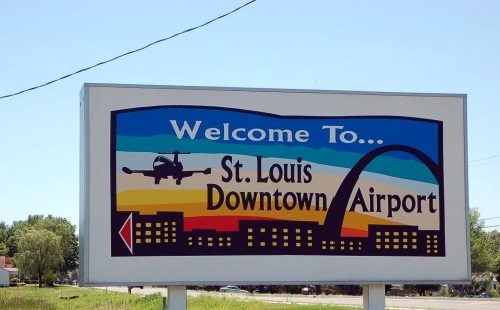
[148, 225]
[137, 240]
[158, 225]
[138, 225]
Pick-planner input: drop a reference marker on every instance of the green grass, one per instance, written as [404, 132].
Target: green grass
[31, 297]
[217, 303]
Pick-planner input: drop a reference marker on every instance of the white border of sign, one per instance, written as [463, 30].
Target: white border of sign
[98, 268]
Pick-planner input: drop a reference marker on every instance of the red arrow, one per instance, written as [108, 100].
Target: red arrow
[126, 233]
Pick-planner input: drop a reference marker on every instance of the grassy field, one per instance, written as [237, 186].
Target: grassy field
[66, 297]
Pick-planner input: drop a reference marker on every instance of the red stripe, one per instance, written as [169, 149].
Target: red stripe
[219, 223]
[351, 232]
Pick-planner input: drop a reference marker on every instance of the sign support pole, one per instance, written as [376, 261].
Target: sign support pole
[374, 297]
[177, 297]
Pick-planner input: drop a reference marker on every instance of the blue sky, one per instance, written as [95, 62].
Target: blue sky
[387, 46]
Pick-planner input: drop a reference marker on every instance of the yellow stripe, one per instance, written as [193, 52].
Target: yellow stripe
[194, 203]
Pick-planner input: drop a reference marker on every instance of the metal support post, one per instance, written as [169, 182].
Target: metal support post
[177, 297]
[374, 297]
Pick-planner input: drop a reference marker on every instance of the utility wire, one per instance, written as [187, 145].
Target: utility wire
[130, 52]
[484, 158]
[491, 226]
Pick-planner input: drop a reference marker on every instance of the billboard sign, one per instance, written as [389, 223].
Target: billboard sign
[225, 185]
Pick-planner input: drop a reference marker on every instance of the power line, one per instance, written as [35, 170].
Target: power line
[130, 52]
[491, 226]
[484, 161]
[484, 158]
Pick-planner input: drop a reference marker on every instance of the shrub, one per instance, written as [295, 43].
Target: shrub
[14, 281]
[494, 293]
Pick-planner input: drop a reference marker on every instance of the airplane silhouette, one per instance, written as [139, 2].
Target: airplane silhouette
[163, 168]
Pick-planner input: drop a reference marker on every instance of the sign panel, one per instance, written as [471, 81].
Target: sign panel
[218, 185]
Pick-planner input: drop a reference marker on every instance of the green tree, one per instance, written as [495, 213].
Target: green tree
[482, 256]
[494, 239]
[3, 239]
[15, 231]
[69, 242]
[39, 253]
[58, 225]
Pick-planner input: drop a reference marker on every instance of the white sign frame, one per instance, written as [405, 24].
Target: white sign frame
[98, 268]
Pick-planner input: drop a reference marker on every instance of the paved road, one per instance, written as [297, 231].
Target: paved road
[410, 303]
